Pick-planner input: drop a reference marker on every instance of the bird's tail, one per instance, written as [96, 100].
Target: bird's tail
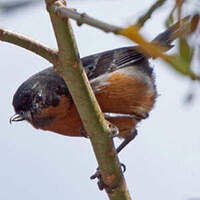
[180, 29]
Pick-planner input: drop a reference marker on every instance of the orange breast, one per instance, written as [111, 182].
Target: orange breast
[123, 94]
[67, 120]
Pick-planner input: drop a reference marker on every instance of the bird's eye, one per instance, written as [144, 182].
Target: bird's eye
[35, 107]
[21, 113]
[38, 97]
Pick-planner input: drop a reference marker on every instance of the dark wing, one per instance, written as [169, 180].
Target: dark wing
[94, 65]
[112, 60]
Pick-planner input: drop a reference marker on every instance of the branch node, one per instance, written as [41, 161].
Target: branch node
[80, 21]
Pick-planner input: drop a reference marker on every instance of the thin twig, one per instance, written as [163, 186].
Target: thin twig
[29, 44]
[83, 18]
[148, 14]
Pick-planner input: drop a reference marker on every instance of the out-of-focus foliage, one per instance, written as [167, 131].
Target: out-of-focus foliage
[181, 61]
[141, 21]
[11, 6]
[188, 52]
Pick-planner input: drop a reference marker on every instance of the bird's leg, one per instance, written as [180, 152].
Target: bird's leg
[98, 175]
[132, 133]
[126, 141]
[143, 115]
[140, 116]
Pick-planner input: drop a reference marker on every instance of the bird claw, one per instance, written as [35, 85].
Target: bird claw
[114, 130]
[100, 182]
[83, 132]
[123, 166]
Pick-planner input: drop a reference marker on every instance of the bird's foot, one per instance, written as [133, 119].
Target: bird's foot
[100, 182]
[83, 132]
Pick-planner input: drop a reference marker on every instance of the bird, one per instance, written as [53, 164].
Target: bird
[122, 80]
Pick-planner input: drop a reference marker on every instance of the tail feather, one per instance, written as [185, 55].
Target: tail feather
[179, 29]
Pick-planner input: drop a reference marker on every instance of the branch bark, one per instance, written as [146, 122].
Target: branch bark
[29, 44]
[71, 70]
[83, 18]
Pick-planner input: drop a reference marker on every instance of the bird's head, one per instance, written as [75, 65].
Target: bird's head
[40, 91]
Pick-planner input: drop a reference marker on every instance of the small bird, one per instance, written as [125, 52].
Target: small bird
[123, 83]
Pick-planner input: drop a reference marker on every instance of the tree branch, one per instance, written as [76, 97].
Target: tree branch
[29, 44]
[148, 14]
[83, 18]
[71, 70]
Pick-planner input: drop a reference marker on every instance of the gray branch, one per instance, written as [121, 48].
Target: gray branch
[29, 44]
[83, 18]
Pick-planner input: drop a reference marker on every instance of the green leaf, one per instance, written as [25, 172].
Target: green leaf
[170, 19]
[186, 52]
[179, 64]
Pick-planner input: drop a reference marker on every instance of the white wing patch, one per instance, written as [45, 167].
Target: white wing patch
[102, 82]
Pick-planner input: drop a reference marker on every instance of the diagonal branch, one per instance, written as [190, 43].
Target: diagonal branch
[71, 70]
[148, 14]
[29, 44]
[83, 18]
